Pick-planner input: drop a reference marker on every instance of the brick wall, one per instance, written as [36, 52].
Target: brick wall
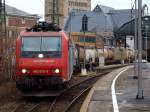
[21, 22]
[15, 24]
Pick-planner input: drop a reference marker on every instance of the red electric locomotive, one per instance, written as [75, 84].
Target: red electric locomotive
[44, 57]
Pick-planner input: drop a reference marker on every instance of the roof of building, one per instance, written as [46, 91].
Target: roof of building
[102, 18]
[74, 22]
[103, 8]
[119, 17]
[129, 27]
[14, 11]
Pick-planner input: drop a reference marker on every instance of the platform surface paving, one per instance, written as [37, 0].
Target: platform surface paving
[126, 91]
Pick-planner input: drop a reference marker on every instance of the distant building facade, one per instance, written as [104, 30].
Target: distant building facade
[79, 5]
[17, 20]
[58, 10]
[90, 39]
[55, 11]
[103, 20]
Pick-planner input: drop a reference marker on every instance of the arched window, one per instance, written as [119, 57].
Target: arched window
[84, 23]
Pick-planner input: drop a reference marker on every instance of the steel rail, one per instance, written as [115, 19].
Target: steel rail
[23, 105]
[76, 98]
[80, 92]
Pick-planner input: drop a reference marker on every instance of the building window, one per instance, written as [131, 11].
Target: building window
[23, 21]
[9, 33]
[69, 3]
[97, 9]
[87, 39]
[84, 23]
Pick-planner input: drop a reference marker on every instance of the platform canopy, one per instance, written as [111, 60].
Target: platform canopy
[129, 27]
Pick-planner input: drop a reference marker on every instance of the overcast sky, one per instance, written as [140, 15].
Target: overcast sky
[37, 6]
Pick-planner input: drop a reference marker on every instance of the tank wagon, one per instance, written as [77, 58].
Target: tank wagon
[111, 55]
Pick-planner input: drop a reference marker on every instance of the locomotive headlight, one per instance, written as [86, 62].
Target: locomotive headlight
[41, 56]
[57, 71]
[24, 71]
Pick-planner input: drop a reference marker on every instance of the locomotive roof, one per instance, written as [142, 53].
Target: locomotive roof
[49, 33]
[44, 27]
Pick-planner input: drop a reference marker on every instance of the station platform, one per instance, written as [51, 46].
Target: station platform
[117, 91]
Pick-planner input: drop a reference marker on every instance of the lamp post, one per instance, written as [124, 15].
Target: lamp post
[70, 25]
[146, 36]
[84, 53]
[140, 86]
[135, 42]
[135, 30]
[145, 8]
[2, 18]
[84, 29]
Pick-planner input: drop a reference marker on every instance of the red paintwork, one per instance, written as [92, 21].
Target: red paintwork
[44, 66]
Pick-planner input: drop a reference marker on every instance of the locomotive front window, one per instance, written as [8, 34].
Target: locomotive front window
[41, 44]
[31, 44]
[51, 44]
[50, 47]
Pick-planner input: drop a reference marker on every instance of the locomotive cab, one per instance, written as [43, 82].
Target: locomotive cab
[43, 59]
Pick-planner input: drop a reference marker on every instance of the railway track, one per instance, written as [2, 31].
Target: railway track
[69, 97]
[65, 100]
[61, 103]
[25, 107]
[41, 105]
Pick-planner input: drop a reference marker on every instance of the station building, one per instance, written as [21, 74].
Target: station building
[103, 21]
[17, 20]
[90, 39]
